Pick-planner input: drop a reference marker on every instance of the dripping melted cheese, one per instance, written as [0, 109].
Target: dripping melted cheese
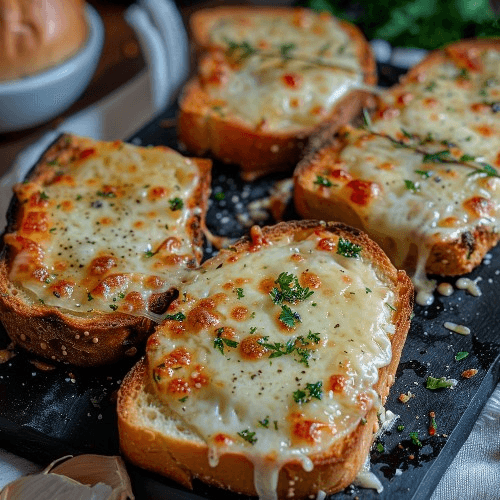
[292, 81]
[239, 395]
[103, 226]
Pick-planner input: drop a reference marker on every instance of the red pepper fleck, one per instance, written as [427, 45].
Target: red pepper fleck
[292, 80]
[86, 152]
[362, 191]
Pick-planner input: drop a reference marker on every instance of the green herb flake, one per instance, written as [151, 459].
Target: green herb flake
[289, 317]
[438, 157]
[380, 447]
[176, 317]
[43, 195]
[392, 308]
[89, 297]
[219, 196]
[253, 329]
[114, 307]
[433, 383]
[220, 341]
[264, 422]
[412, 186]
[108, 194]
[348, 249]
[248, 436]
[461, 355]
[415, 440]
[286, 48]
[321, 181]
[183, 400]
[400, 428]
[148, 254]
[239, 293]
[368, 290]
[175, 204]
[424, 173]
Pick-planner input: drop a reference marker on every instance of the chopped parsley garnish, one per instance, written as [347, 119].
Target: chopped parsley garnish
[183, 400]
[348, 248]
[113, 306]
[89, 297]
[380, 447]
[467, 158]
[461, 355]
[285, 50]
[148, 254]
[368, 290]
[43, 195]
[239, 293]
[289, 290]
[176, 317]
[400, 428]
[321, 181]
[436, 157]
[264, 422]
[424, 173]
[290, 347]
[220, 341]
[106, 194]
[415, 440]
[289, 317]
[412, 186]
[367, 119]
[311, 391]
[431, 86]
[219, 196]
[248, 436]
[487, 169]
[253, 329]
[175, 203]
[439, 383]
[392, 308]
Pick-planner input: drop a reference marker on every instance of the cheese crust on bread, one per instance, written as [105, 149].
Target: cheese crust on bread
[267, 359]
[272, 76]
[422, 178]
[99, 229]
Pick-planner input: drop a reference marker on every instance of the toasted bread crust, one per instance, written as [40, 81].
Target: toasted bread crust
[95, 338]
[258, 152]
[184, 459]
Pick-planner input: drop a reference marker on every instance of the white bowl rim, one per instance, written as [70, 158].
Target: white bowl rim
[93, 45]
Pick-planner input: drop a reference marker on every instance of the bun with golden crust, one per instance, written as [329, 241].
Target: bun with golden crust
[38, 34]
[270, 79]
[183, 415]
[96, 237]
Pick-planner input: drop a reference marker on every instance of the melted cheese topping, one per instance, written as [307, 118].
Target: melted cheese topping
[244, 381]
[281, 72]
[405, 190]
[103, 226]
[451, 104]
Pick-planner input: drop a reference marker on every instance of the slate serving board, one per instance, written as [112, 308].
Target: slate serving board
[47, 414]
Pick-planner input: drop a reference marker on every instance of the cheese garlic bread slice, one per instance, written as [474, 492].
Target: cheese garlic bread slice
[271, 78]
[96, 236]
[267, 379]
[422, 178]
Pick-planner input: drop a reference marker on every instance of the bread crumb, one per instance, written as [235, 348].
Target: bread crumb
[469, 373]
[95, 340]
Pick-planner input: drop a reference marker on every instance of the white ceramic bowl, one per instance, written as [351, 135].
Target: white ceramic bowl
[36, 99]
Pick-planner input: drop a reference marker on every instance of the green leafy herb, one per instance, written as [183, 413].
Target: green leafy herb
[431, 86]
[264, 422]
[43, 195]
[367, 119]
[183, 400]
[367, 290]
[248, 436]
[89, 297]
[286, 48]
[415, 440]
[380, 447]
[148, 254]
[400, 428]
[239, 293]
[487, 169]
[175, 203]
[289, 317]
[467, 158]
[461, 355]
[424, 173]
[107, 194]
[220, 341]
[113, 306]
[303, 396]
[321, 181]
[348, 248]
[176, 317]
[289, 290]
[219, 196]
[439, 383]
[438, 157]
[253, 329]
[412, 186]
[392, 308]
